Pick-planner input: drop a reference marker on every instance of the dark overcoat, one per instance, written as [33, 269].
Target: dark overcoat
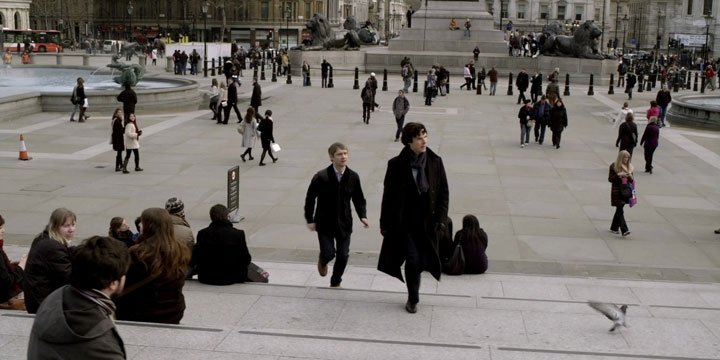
[558, 116]
[627, 135]
[333, 215]
[615, 198]
[221, 256]
[48, 267]
[396, 217]
[118, 134]
[256, 97]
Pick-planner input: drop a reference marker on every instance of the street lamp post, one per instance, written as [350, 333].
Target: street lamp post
[625, 22]
[204, 8]
[130, 11]
[708, 19]
[287, 28]
[617, 24]
[658, 37]
[636, 30]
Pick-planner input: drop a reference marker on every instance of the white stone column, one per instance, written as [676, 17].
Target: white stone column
[512, 10]
[496, 10]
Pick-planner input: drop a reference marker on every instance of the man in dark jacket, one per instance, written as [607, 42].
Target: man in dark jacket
[522, 82]
[256, 98]
[334, 187]
[221, 256]
[128, 98]
[663, 98]
[541, 111]
[558, 121]
[76, 320]
[413, 212]
[324, 70]
[232, 99]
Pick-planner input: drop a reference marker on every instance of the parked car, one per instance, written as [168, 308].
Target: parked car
[112, 46]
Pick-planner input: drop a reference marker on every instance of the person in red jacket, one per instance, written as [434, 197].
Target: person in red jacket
[711, 75]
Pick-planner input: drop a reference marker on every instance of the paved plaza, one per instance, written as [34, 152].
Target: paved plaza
[546, 211]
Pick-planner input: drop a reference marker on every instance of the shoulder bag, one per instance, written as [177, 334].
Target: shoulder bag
[456, 264]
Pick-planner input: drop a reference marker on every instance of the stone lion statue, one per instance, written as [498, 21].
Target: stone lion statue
[583, 43]
[366, 33]
[323, 37]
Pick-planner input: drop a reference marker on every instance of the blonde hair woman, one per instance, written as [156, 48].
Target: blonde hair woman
[621, 173]
[48, 263]
[222, 106]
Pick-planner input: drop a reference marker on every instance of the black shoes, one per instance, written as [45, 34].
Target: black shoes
[717, 231]
[274, 160]
[137, 168]
[410, 307]
[626, 233]
[243, 157]
[261, 164]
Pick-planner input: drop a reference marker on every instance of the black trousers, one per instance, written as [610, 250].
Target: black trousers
[118, 159]
[521, 96]
[618, 221]
[556, 137]
[338, 248]
[135, 152]
[649, 151]
[413, 269]
[366, 112]
[628, 148]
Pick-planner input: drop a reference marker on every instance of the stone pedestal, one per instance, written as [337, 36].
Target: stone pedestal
[431, 29]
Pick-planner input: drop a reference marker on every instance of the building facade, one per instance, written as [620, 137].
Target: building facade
[15, 14]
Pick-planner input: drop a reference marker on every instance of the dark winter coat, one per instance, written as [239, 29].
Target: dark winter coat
[523, 81]
[232, 92]
[536, 87]
[476, 260]
[405, 213]
[333, 215]
[221, 256]
[48, 268]
[151, 299]
[256, 98]
[663, 98]
[615, 198]
[70, 326]
[558, 116]
[129, 99]
[542, 117]
[525, 114]
[266, 132]
[11, 277]
[650, 136]
[627, 135]
[630, 82]
[118, 134]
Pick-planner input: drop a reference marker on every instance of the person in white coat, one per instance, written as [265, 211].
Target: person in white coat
[249, 133]
[132, 143]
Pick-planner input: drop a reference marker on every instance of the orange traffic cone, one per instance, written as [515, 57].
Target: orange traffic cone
[23, 149]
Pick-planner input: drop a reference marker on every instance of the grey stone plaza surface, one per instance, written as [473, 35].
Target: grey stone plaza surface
[547, 213]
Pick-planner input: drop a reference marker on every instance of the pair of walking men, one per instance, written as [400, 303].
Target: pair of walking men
[413, 212]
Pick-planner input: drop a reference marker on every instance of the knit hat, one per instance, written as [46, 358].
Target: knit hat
[174, 206]
[372, 74]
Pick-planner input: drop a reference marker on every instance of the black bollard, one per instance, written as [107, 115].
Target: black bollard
[676, 83]
[415, 81]
[274, 77]
[640, 84]
[510, 85]
[205, 68]
[567, 85]
[289, 76]
[356, 84]
[384, 88]
[479, 88]
[262, 70]
[695, 88]
[212, 69]
[255, 72]
[687, 86]
[654, 76]
[447, 83]
[648, 88]
[330, 79]
[308, 78]
[590, 90]
[611, 91]
[702, 84]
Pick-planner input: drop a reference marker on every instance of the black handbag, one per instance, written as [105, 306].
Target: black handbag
[626, 192]
[455, 265]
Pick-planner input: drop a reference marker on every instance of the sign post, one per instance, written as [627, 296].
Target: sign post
[233, 194]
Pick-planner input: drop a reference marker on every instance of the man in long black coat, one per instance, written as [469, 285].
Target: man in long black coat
[414, 212]
[558, 121]
[522, 82]
[128, 98]
[221, 256]
[256, 98]
[334, 187]
[232, 98]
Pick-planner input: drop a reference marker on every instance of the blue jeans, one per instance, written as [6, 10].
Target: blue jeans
[493, 87]
[524, 134]
[334, 247]
[406, 84]
[663, 111]
[539, 132]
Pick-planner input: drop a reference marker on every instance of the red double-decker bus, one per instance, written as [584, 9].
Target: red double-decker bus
[39, 40]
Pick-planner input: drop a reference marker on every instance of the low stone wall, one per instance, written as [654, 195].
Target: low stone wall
[15, 106]
[693, 115]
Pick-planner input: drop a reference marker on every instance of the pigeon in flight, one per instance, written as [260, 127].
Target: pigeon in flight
[612, 312]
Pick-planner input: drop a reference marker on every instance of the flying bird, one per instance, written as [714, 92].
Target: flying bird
[611, 311]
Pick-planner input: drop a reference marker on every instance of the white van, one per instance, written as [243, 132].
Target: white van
[111, 45]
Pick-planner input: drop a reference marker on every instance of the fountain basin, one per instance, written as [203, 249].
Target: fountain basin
[33, 89]
[697, 111]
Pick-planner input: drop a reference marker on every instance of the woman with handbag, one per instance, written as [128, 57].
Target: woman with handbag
[266, 136]
[620, 176]
[474, 241]
[214, 98]
[248, 128]
[78, 98]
